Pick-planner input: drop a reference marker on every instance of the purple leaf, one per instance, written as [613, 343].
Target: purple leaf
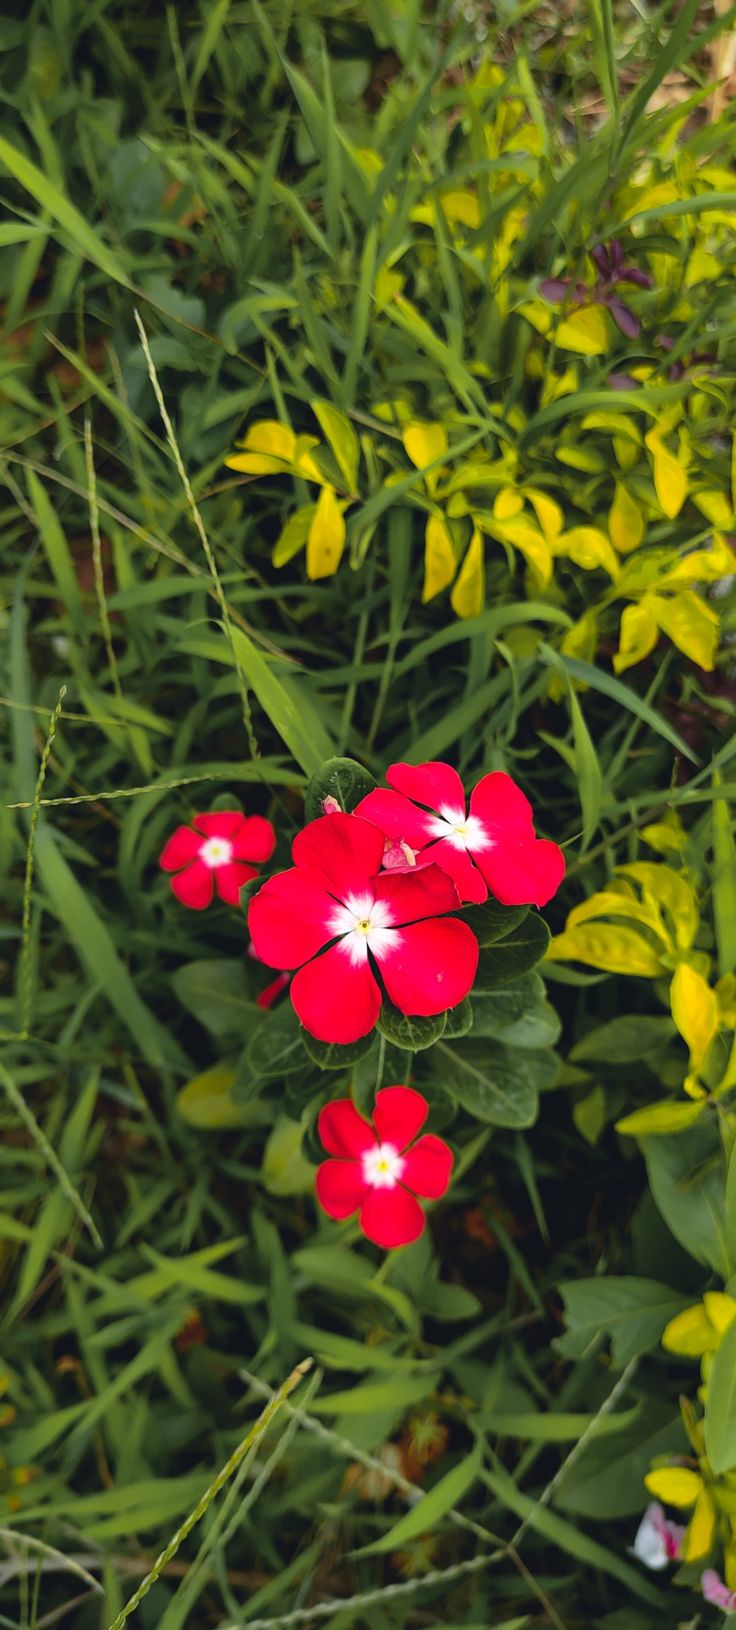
[555, 289]
[623, 318]
[622, 382]
[631, 274]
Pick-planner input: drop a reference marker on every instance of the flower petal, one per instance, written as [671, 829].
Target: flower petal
[230, 879]
[435, 784]
[254, 840]
[182, 847]
[502, 806]
[289, 918]
[194, 886]
[396, 817]
[459, 866]
[412, 896]
[522, 874]
[340, 1187]
[343, 850]
[428, 1167]
[221, 823]
[343, 1131]
[399, 1114]
[335, 998]
[391, 1217]
[430, 966]
[266, 998]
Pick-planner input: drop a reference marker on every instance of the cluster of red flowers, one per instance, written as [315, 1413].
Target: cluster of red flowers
[374, 893]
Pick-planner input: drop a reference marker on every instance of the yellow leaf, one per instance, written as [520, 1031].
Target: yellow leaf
[699, 1537]
[538, 313]
[638, 636]
[207, 1101]
[439, 557]
[666, 836]
[469, 594]
[589, 548]
[726, 994]
[674, 1484]
[341, 436]
[507, 503]
[584, 331]
[535, 549]
[547, 511]
[715, 507]
[733, 469]
[387, 285]
[690, 1333]
[603, 945]
[461, 205]
[423, 443]
[304, 464]
[613, 902]
[326, 539]
[670, 480]
[581, 640]
[689, 623]
[695, 1012]
[669, 1115]
[721, 1310]
[293, 535]
[702, 565]
[670, 889]
[618, 423]
[268, 436]
[625, 521]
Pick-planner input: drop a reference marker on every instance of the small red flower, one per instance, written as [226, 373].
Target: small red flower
[493, 847]
[379, 1169]
[336, 901]
[218, 850]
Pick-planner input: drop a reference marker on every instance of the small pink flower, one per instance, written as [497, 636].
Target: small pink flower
[658, 1541]
[716, 1592]
[335, 916]
[494, 846]
[216, 851]
[379, 1169]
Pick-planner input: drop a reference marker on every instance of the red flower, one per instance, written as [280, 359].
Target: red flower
[379, 1169]
[336, 896]
[494, 847]
[218, 851]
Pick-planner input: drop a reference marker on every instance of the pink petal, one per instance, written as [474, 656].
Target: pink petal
[522, 874]
[428, 1167]
[222, 823]
[289, 919]
[396, 817]
[340, 1187]
[267, 996]
[431, 966]
[391, 1217]
[336, 999]
[194, 886]
[255, 840]
[343, 850]
[459, 866]
[230, 879]
[435, 784]
[343, 1131]
[411, 896]
[399, 1114]
[502, 806]
[183, 846]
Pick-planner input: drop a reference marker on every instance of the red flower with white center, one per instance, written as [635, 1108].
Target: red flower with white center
[216, 852]
[494, 846]
[379, 1169]
[336, 901]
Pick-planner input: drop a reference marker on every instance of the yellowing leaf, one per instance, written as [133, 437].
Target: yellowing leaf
[507, 503]
[533, 546]
[326, 537]
[293, 535]
[387, 285]
[721, 1310]
[439, 557]
[691, 1332]
[423, 443]
[699, 1537]
[257, 464]
[538, 313]
[677, 1485]
[733, 470]
[461, 205]
[207, 1101]
[304, 464]
[607, 946]
[715, 507]
[666, 836]
[690, 624]
[469, 594]
[547, 511]
[638, 636]
[619, 424]
[581, 640]
[672, 890]
[695, 1012]
[584, 331]
[341, 436]
[589, 548]
[670, 479]
[268, 436]
[726, 994]
[625, 521]
[284, 1169]
[702, 565]
[669, 1115]
[617, 902]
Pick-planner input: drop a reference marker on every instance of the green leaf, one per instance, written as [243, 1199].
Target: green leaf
[720, 1405]
[411, 1034]
[687, 1178]
[431, 1508]
[632, 1311]
[492, 921]
[284, 1169]
[330, 1056]
[339, 778]
[495, 1012]
[290, 711]
[276, 1046]
[459, 1020]
[67, 216]
[621, 694]
[376, 1396]
[724, 883]
[516, 954]
[497, 1084]
[625, 1040]
[342, 439]
[214, 991]
[207, 1102]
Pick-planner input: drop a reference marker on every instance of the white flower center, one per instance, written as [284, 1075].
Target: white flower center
[216, 852]
[464, 831]
[382, 1166]
[363, 925]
